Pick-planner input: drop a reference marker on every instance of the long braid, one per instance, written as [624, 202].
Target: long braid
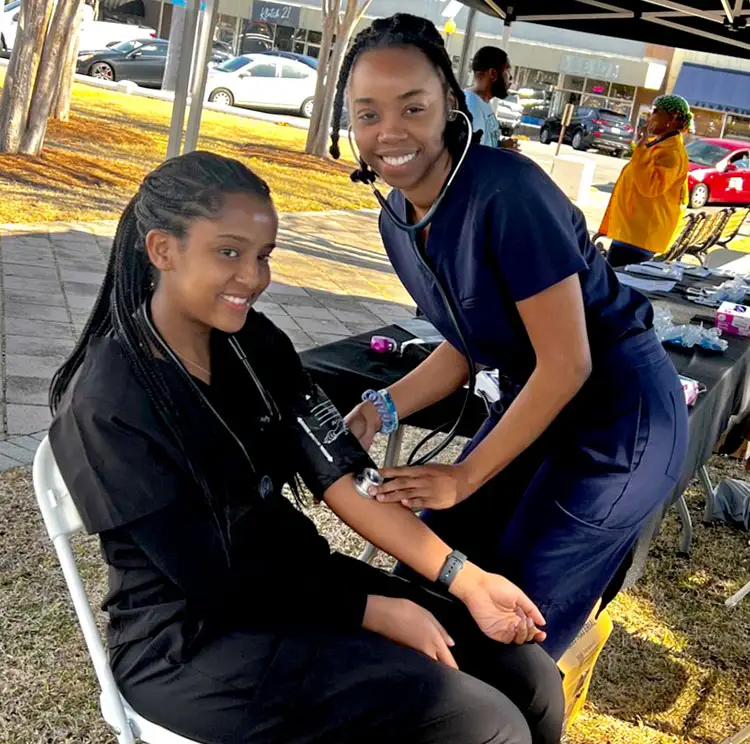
[400, 30]
[169, 198]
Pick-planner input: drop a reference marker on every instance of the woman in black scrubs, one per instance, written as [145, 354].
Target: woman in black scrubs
[177, 422]
[591, 437]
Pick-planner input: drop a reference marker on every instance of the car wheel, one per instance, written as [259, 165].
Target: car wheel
[102, 70]
[306, 109]
[699, 196]
[618, 153]
[577, 141]
[545, 137]
[222, 96]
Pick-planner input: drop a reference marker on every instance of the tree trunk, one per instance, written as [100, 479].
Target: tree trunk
[345, 25]
[22, 70]
[330, 21]
[61, 106]
[173, 51]
[47, 75]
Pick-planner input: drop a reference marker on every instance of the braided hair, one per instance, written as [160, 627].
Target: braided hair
[401, 30]
[169, 199]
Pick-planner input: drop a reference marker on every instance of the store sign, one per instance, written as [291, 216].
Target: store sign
[283, 15]
[590, 67]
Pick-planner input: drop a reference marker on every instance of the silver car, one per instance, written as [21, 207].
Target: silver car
[263, 81]
[508, 112]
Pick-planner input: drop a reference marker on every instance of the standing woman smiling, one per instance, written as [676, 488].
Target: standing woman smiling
[556, 486]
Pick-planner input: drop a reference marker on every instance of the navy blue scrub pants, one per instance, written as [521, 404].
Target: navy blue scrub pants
[562, 517]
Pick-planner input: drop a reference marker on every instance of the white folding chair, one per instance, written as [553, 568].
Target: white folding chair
[61, 519]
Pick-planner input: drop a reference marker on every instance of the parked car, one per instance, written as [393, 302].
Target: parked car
[508, 112]
[601, 129]
[94, 34]
[304, 58]
[263, 81]
[142, 61]
[719, 172]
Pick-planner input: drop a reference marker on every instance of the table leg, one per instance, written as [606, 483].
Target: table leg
[686, 536]
[392, 456]
[708, 487]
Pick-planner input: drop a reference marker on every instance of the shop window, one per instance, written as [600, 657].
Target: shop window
[597, 87]
[284, 40]
[572, 82]
[622, 92]
[707, 123]
[738, 127]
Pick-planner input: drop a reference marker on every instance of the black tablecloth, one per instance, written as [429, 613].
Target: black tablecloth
[345, 369]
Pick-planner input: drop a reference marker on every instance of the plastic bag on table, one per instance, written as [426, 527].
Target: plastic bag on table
[688, 335]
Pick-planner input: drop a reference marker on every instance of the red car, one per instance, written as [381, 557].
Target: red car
[719, 172]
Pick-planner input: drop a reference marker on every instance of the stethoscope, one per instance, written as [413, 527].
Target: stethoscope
[265, 485]
[413, 230]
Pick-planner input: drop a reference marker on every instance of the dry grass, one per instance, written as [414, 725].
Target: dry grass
[674, 672]
[93, 164]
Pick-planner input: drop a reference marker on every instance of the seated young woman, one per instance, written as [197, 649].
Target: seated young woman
[178, 418]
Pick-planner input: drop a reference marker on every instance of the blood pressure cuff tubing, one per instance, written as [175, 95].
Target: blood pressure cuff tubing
[327, 449]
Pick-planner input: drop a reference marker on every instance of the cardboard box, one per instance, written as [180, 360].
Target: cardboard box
[733, 319]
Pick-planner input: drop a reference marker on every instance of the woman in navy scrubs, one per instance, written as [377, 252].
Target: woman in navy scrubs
[556, 486]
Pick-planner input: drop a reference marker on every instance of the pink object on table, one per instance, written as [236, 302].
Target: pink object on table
[383, 344]
[733, 319]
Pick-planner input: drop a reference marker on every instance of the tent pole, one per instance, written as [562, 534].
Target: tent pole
[469, 31]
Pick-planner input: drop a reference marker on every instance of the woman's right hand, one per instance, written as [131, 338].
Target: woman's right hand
[364, 422]
[407, 623]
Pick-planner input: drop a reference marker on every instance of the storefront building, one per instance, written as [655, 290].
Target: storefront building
[551, 67]
[720, 99]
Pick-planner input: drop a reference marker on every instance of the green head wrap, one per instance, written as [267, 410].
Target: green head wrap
[676, 105]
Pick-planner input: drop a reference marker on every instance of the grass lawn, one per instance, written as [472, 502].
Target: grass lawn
[675, 670]
[92, 165]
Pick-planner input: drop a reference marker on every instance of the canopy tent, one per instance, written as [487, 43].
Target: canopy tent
[714, 26]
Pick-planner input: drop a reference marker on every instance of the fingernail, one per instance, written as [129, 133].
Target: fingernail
[372, 491]
[451, 642]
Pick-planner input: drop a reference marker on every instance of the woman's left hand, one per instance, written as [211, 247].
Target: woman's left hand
[425, 486]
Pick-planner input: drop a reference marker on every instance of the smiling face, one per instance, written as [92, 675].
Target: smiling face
[399, 108]
[211, 276]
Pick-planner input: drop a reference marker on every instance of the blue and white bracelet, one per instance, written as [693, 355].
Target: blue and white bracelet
[385, 407]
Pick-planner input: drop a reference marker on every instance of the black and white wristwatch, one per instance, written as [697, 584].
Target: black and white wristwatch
[453, 564]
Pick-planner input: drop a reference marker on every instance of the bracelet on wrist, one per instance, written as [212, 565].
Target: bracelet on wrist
[385, 407]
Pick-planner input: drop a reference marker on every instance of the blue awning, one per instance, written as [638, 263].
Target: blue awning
[707, 87]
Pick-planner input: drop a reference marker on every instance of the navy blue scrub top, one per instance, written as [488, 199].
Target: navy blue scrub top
[504, 233]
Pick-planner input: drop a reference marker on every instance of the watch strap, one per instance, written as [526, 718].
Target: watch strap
[453, 564]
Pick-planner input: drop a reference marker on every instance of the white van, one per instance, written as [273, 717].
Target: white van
[95, 35]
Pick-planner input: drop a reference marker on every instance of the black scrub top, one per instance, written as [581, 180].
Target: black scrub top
[169, 567]
[504, 233]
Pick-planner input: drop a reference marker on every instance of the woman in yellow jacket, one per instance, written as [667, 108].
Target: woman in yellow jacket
[651, 192]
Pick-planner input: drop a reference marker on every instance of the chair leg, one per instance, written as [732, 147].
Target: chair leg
[392, 456]
[686, 535]
[739, 737]
[708, 487]
[737, 597]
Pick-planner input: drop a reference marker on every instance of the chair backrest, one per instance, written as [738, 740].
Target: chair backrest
[689, 235]
[61, 519]
[732, 226]
[708, 234]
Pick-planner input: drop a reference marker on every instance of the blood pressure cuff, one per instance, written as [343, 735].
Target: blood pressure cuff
[327, 449]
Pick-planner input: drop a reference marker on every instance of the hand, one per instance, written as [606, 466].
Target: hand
[509, 143]
[364, 422]
[501, 610]
[410, 625]
[424, 487]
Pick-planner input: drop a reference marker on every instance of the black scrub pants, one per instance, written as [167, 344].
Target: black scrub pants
[311, 686]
